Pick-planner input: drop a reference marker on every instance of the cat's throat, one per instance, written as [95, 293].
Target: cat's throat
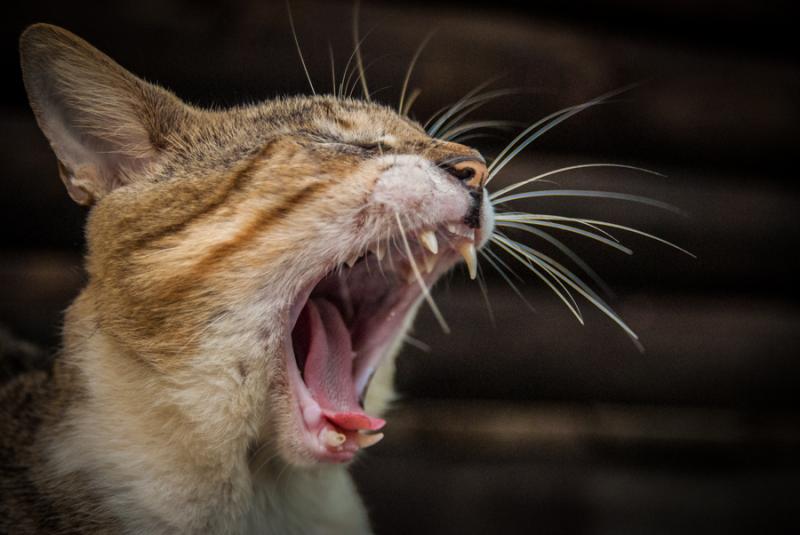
[329, 370]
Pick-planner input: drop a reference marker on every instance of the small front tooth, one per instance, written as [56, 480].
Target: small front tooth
[467, 250]
[428, 239]
[461, 230]
[430, 263]
[365, 441]
[334, 439]
[352, 260]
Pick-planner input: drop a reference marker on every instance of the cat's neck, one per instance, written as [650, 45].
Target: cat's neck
[175, 453]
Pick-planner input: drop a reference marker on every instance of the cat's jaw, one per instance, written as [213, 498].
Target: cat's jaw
[347, 322]
[332, 421]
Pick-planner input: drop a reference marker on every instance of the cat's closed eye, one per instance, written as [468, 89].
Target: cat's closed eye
[376, 147]
[371, 146]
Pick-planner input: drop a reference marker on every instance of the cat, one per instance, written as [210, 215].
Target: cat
[251, 275]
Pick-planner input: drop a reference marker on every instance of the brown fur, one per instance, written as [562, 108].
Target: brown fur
[169, 376]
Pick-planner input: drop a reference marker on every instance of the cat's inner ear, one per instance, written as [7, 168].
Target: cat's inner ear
[103, 123]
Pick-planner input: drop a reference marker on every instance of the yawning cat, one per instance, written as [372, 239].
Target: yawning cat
[251, 274]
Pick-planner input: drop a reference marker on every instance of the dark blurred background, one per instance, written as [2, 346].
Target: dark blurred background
[521, 421]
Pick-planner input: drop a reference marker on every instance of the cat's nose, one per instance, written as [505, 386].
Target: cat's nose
[470, 171]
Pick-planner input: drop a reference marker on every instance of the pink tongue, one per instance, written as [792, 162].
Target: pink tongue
[328, 370]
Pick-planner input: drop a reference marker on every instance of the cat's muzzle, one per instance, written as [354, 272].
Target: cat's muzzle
[472, 173]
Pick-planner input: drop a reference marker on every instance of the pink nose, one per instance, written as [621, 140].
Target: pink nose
[472, 173]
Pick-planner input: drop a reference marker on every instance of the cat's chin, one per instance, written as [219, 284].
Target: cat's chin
[346, 322]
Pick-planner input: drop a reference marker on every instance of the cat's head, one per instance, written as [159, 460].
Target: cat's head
[261, 261]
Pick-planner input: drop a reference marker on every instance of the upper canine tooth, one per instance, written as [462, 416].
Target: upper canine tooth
[352, 260]
[365, 441]
[428, 239]
[467, 250]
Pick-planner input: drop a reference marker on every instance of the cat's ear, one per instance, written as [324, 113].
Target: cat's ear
[103, 123]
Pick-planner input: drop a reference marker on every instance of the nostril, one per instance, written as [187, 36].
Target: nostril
[465, 173]
[470, 172]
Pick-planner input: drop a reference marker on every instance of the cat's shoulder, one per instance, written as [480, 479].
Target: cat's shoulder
[29, 501]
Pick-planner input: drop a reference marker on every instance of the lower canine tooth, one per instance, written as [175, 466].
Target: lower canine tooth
[334, 439]
[467, 250]
[428, 239]
[430, 263]
[365, 441]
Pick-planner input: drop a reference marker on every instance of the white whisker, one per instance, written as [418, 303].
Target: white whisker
[485, 294]
[533, 254]
[453, 108]
[579, 286]
[567, 228]
[522, 249]
[297, 44]
[539, 128]
[446, 123]
[641, 233]
[528, 135]
[417, 275]
[346, 75]
[493, 260]
[500, 261]
[526, 218]
[512, 249]
[448, 135]
[400, 109]
[357, 43]
[356, 80]
[411, 99]
[333, 69]
[480, 135]
[419, 344]
[569, 253]
[593, 194]
[517, 185]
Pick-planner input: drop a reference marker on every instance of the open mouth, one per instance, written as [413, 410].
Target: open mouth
[349, 320]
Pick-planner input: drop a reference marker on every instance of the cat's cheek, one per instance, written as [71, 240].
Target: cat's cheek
[413, 185]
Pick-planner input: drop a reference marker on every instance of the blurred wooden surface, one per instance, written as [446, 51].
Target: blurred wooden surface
[489, 467]
[535, 423]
